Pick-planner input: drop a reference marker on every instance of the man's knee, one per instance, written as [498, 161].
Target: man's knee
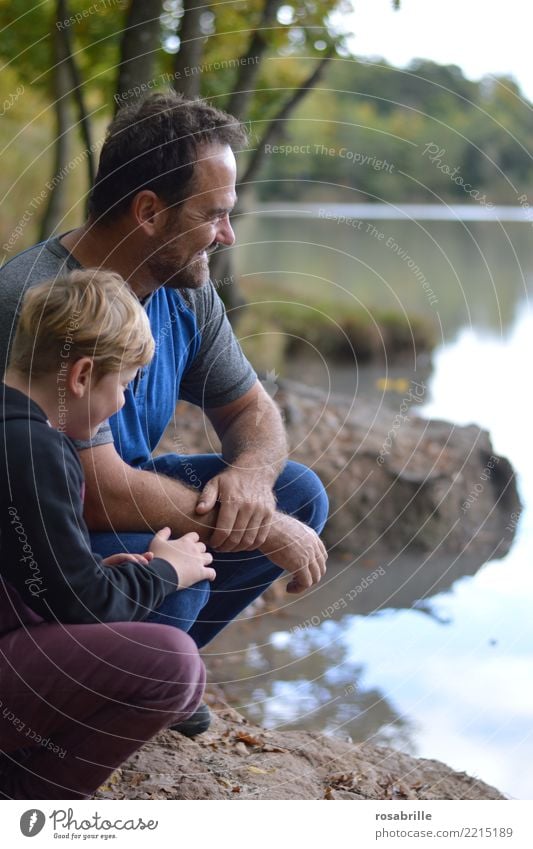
[195, 470]
[300, 492]
[105, 544]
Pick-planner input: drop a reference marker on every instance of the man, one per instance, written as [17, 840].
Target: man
[160, 205]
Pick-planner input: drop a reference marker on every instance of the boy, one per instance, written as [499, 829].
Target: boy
[79, 695]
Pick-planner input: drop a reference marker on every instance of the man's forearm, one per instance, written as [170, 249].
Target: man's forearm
[143, 502]
[256, 440]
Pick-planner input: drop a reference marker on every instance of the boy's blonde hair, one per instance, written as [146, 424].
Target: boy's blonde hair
[86, 313]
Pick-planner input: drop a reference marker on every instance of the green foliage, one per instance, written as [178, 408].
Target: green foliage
[95, 31]
[366, 113]
[302, 29]
[366, 127]
[274, 332]
[26, 42]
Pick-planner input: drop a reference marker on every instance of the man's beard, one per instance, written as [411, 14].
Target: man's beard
[178, 272]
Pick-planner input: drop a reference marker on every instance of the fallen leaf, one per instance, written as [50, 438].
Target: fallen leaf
[259, 771]
[249, 739]
[137, 779]
[114, 778]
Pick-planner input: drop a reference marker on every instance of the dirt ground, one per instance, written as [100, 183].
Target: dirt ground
[238, 760]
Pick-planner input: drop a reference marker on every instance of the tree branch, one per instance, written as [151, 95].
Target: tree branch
[275, 125]
[221, 264]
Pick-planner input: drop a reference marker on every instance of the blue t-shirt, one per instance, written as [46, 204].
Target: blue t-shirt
[197, 356]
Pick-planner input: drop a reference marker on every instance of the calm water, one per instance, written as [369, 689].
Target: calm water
[478, 271]
[436, 657]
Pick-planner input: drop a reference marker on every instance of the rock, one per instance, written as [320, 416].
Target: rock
[393, 479]
[401, 485]
[237, 760]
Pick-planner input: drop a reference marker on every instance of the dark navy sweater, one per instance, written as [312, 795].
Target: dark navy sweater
[45, 551]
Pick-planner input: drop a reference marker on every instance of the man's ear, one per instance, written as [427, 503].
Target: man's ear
[149, 212]
[79, 376]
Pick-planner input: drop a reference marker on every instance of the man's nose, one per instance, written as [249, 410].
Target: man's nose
[225, 234]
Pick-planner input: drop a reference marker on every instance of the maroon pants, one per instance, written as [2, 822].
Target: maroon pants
[77, 700]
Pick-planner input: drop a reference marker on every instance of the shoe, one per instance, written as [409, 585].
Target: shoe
[195, 724]
[9, 760]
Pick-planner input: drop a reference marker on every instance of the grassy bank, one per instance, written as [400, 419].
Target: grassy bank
[272, 332]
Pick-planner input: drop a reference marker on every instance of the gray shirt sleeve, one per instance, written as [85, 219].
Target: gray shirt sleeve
[45, 261]
[220, 373]
[103, 436]
[30, 267]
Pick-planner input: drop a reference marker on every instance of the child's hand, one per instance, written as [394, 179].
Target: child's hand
[186, 554]
[117, 559]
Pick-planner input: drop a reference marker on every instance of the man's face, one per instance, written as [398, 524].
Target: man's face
[180, 255]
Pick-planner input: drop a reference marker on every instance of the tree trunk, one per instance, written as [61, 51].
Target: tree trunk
[141, 39]
[189, 57]
[237, 105]
[250, 63]
[77, 92]
[61, 89]
[221, 264]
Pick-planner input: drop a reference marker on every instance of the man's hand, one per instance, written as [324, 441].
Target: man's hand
[247, 507]
[298, 549]
[117, 559]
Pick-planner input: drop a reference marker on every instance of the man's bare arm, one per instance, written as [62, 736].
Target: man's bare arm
[146, 502]
[254, 446]
[252, 433]
[121, 498]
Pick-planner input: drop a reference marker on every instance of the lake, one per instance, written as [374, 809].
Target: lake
[479, 271]
[437, 659]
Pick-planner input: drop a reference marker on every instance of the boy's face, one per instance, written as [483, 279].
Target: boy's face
[104, 397]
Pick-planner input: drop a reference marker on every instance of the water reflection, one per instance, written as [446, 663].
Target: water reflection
[442, 665]
[478, 270]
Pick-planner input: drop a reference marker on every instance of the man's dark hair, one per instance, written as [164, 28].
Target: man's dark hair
[153, 144]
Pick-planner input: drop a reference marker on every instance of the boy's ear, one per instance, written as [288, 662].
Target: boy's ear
[79, 376]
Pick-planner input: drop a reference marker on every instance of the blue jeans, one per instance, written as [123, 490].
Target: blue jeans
[241, 577]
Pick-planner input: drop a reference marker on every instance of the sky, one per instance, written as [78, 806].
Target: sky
[481, 36]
